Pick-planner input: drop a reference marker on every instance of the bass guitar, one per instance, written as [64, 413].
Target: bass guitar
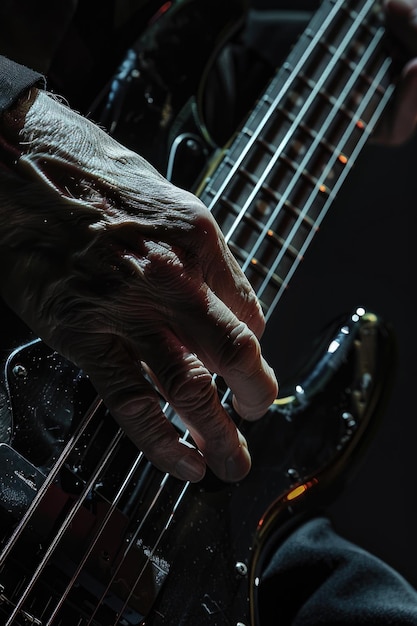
[91, 533]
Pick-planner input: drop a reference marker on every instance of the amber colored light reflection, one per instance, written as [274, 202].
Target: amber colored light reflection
[300, 489]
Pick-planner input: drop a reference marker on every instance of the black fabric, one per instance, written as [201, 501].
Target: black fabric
[14, 80]
[318, 578]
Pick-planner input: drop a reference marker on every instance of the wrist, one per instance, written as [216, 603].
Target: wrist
[13, 118]
[11, 123]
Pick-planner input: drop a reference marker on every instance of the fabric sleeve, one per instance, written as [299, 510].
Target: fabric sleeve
[315, 577]
[14, 80]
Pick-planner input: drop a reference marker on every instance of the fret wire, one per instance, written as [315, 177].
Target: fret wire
[346, 61]
[304, 162]
[374, 119]
[282, 92]
[289, 133]
[251, 226]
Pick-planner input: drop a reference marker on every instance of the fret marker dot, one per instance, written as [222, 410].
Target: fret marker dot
[263, 207]
[323, 188]
[295, 98]
[254, 262]
[360, 124]
[343, 159]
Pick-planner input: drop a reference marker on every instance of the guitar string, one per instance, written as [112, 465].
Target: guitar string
[149, 556]
[300, 169]
[59, 463]
[123, 487]
[383, 72]
[336, 187]
[108, 453]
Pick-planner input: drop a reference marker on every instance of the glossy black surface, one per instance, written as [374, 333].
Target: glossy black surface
[132, 545]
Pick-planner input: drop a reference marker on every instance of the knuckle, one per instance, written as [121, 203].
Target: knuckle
[192, 392]
[139, 413]
[240, 350]
[253, 313]
[204, 226]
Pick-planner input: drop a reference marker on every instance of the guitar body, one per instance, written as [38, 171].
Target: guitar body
[92, 534]
[182, 554]
[153, 101]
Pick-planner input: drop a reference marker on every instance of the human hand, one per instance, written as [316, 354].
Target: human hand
[399, 122]
[114, 267]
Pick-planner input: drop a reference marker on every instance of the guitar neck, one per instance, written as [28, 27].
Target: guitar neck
[275, 181]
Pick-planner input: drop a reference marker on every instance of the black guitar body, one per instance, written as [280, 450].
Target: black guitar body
[91, 533]
[163, 552]
[188, 81]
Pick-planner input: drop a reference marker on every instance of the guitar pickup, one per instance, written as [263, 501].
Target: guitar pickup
[20, 481]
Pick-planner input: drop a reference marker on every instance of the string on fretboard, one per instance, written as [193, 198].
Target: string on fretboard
[276, 180]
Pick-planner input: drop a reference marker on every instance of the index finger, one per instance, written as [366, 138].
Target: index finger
[205, 247]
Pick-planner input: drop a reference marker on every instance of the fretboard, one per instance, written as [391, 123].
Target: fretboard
[275, 182]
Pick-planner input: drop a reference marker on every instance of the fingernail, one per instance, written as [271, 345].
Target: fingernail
[190, 469]
[239, 463]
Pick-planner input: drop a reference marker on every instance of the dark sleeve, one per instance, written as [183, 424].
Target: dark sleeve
[15, 79]
[317, 577]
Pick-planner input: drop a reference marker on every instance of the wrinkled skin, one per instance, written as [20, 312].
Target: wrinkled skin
[123, 273]
[113, 266]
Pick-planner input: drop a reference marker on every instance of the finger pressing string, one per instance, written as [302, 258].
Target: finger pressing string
[135, 405]
[190, 388]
